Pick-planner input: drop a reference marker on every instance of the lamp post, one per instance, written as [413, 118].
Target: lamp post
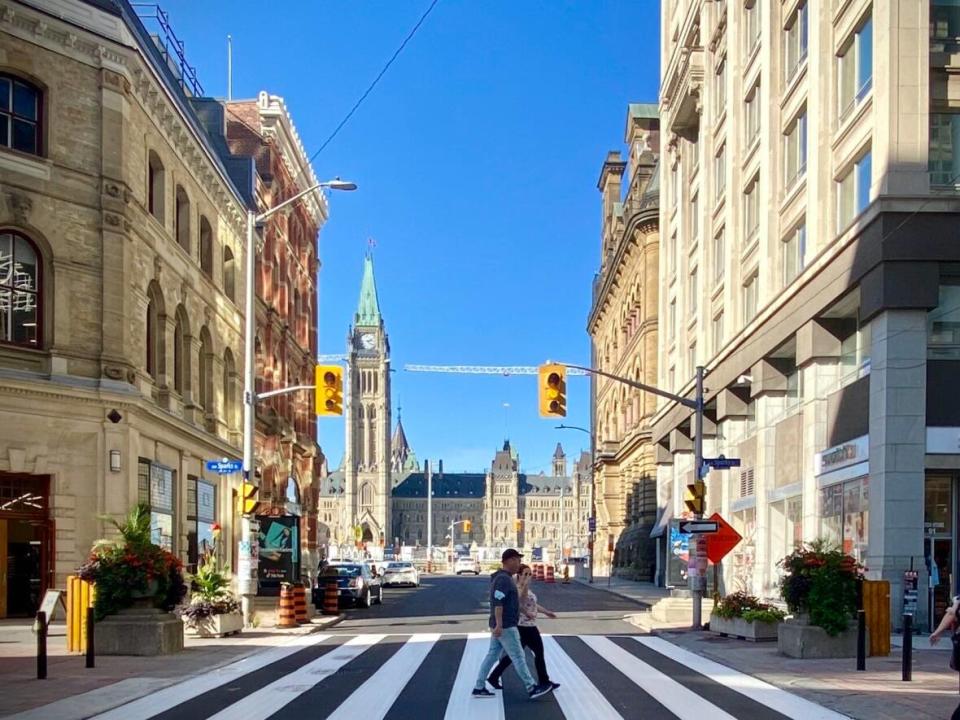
[248, 577]
[593, 503]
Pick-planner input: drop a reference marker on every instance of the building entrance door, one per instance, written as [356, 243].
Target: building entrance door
[939, 550]
[26, 539]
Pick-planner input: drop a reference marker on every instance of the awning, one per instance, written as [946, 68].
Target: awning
[665, 515]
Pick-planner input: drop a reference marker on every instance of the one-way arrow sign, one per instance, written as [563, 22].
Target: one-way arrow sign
[696, 527]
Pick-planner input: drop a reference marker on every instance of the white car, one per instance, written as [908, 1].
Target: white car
[401, 573]
[466, 564]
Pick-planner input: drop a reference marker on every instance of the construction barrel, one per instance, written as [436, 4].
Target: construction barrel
[286, 615]
[331, 596]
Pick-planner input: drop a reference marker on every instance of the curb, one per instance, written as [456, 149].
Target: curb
[613, 591]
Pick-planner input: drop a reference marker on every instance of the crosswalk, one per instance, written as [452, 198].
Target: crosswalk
[429, 676]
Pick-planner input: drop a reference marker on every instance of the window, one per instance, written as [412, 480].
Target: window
[853, 191]
[155, 489]
[716, 332]
[181, 219]
[751, 124]
[674, 186]
[720, 173]
[944, 157]
[719, 255]
[844, 516]
[750, 288]
[694, 218]
[720, 86]
[672, 321]
[856, 68]
[795, 41]
[205, 374]
[945, 20]
[229, 274]
[229, 393]
[155, 335]
[20, 106]
[201, 515]
[692, 357]
[795, 150]
[179, 345]
[155, 189]
[671, 253]
[694, 291]
[751, 25]
[751, 208]
[943, 322]
[206, 247]
[794, 249]
[20, 294]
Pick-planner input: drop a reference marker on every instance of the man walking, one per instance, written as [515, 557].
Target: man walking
[504, 635]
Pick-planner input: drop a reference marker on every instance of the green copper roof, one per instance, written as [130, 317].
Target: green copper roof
[644, 110]
[368, 311]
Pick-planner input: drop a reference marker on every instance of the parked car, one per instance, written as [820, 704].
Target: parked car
[466, 564]
[355, 582]
[401, 573]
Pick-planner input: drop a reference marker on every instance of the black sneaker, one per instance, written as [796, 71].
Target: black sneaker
[540, 690]
[495, 684]
[555, 685]
[484, 693]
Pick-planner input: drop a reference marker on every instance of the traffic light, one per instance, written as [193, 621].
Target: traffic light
[467, 526]
[694, 497]
[248, 499]
[553, 390]
[329, 382]
[518, 524]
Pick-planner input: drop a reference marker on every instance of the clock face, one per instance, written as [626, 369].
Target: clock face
[368, 341]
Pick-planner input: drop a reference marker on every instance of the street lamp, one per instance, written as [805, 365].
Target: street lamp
[593, 500]
[248, 584]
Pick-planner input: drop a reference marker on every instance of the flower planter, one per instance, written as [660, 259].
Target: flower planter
[217, 625]
[740, 628]
[800, 640]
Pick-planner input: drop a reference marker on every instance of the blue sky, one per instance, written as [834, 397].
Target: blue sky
[477, 158]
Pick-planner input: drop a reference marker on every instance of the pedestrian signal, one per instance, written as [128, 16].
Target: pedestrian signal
[467, 526]
[694, 497]
[249, 502]
[553, 390]
[329, 390]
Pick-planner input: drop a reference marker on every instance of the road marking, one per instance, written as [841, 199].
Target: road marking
[462, 706]
[162, 700]
[381, 690]
[685, 704]
[267, 701]
[782, 701]
[582, 699]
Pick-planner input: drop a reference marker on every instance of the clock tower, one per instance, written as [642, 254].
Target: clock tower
[367, 449]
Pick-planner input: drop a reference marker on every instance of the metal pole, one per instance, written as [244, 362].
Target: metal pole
[561, 523]
[91, 653]
[41, 645]
[247, 579]
[429, 516]
[697, 545]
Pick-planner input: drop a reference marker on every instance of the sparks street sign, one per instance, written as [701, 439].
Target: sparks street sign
[592, 524]
[696, 527]
[225, 466]
[722, 463]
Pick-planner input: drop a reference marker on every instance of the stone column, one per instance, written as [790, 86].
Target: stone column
[898, 378]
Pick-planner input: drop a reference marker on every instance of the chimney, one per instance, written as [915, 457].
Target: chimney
[440, 468]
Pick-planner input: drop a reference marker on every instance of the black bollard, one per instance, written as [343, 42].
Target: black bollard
[41, 645]
[861, 640]
[91, 661]
[907, 670]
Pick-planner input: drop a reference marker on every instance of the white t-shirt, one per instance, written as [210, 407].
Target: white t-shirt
[528, 609]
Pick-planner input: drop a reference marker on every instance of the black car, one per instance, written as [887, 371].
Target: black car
[355, 582]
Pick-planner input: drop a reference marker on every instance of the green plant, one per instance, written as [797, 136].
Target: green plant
[743, 605]
[821, 580]
[767, 614]
[210, 588]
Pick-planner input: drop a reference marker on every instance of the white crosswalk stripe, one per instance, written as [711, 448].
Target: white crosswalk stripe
[402, 678]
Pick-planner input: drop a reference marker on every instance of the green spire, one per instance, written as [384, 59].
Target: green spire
[368, 311]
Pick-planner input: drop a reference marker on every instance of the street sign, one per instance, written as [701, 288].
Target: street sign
[722, 541]
[225, 466]
[592, 524]
[722, 463]
[696, 527]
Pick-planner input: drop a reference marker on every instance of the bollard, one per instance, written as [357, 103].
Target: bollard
[861, 640]
[41, 645]
[91, 660]
[907, 670]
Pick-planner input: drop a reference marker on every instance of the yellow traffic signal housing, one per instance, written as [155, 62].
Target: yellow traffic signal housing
[467, 526]
[694, 497]
[553, 390]
[329, 382]
[518, 524]
[248, 499]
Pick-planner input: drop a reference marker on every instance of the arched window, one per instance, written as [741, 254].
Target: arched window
[229, 392]
[366, 495]
[229, 274]
[372, 438]
[181, 348]
[206, 247]
[295, 320]
[21, 300]
[258, 364]
[205, 375]
[155, 186]
[181, 219]
[21, 109]
[154, 341]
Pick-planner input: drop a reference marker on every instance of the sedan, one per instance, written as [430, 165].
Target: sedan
[466, 564]
[401, 573]
[355, 582]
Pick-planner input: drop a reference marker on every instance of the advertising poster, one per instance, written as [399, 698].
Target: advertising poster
[678, 555]
[279, 552]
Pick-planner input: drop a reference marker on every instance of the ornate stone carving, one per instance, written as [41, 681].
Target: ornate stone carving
[20, 206]
[112, 220]
[113, 372]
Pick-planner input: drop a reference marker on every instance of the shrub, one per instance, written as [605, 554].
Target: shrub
[821, 580]
[768, 614]
[210, 588]
[743, 605]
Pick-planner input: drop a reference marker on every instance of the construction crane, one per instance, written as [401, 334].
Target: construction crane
[505, 370]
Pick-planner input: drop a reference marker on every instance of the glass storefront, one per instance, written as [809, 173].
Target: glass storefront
[938, 546]
[844, 516]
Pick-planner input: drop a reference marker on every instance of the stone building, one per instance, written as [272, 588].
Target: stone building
[809, 205]
[122, 219]
[288, 458]
[623, 326]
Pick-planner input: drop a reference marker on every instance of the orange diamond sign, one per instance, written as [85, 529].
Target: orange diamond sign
[722, 541]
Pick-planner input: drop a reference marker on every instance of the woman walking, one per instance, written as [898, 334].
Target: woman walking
[949, 624]
[529, 632]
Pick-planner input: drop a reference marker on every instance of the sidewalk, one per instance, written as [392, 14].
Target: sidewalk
[129, 677]
[641, 592]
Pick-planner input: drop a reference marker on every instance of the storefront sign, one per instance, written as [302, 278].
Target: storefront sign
[840, 456]
[943, 440]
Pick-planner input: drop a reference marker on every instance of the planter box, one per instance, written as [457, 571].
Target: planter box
[217, 625]
[139, 631]
[799, 640]
[740, 628]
